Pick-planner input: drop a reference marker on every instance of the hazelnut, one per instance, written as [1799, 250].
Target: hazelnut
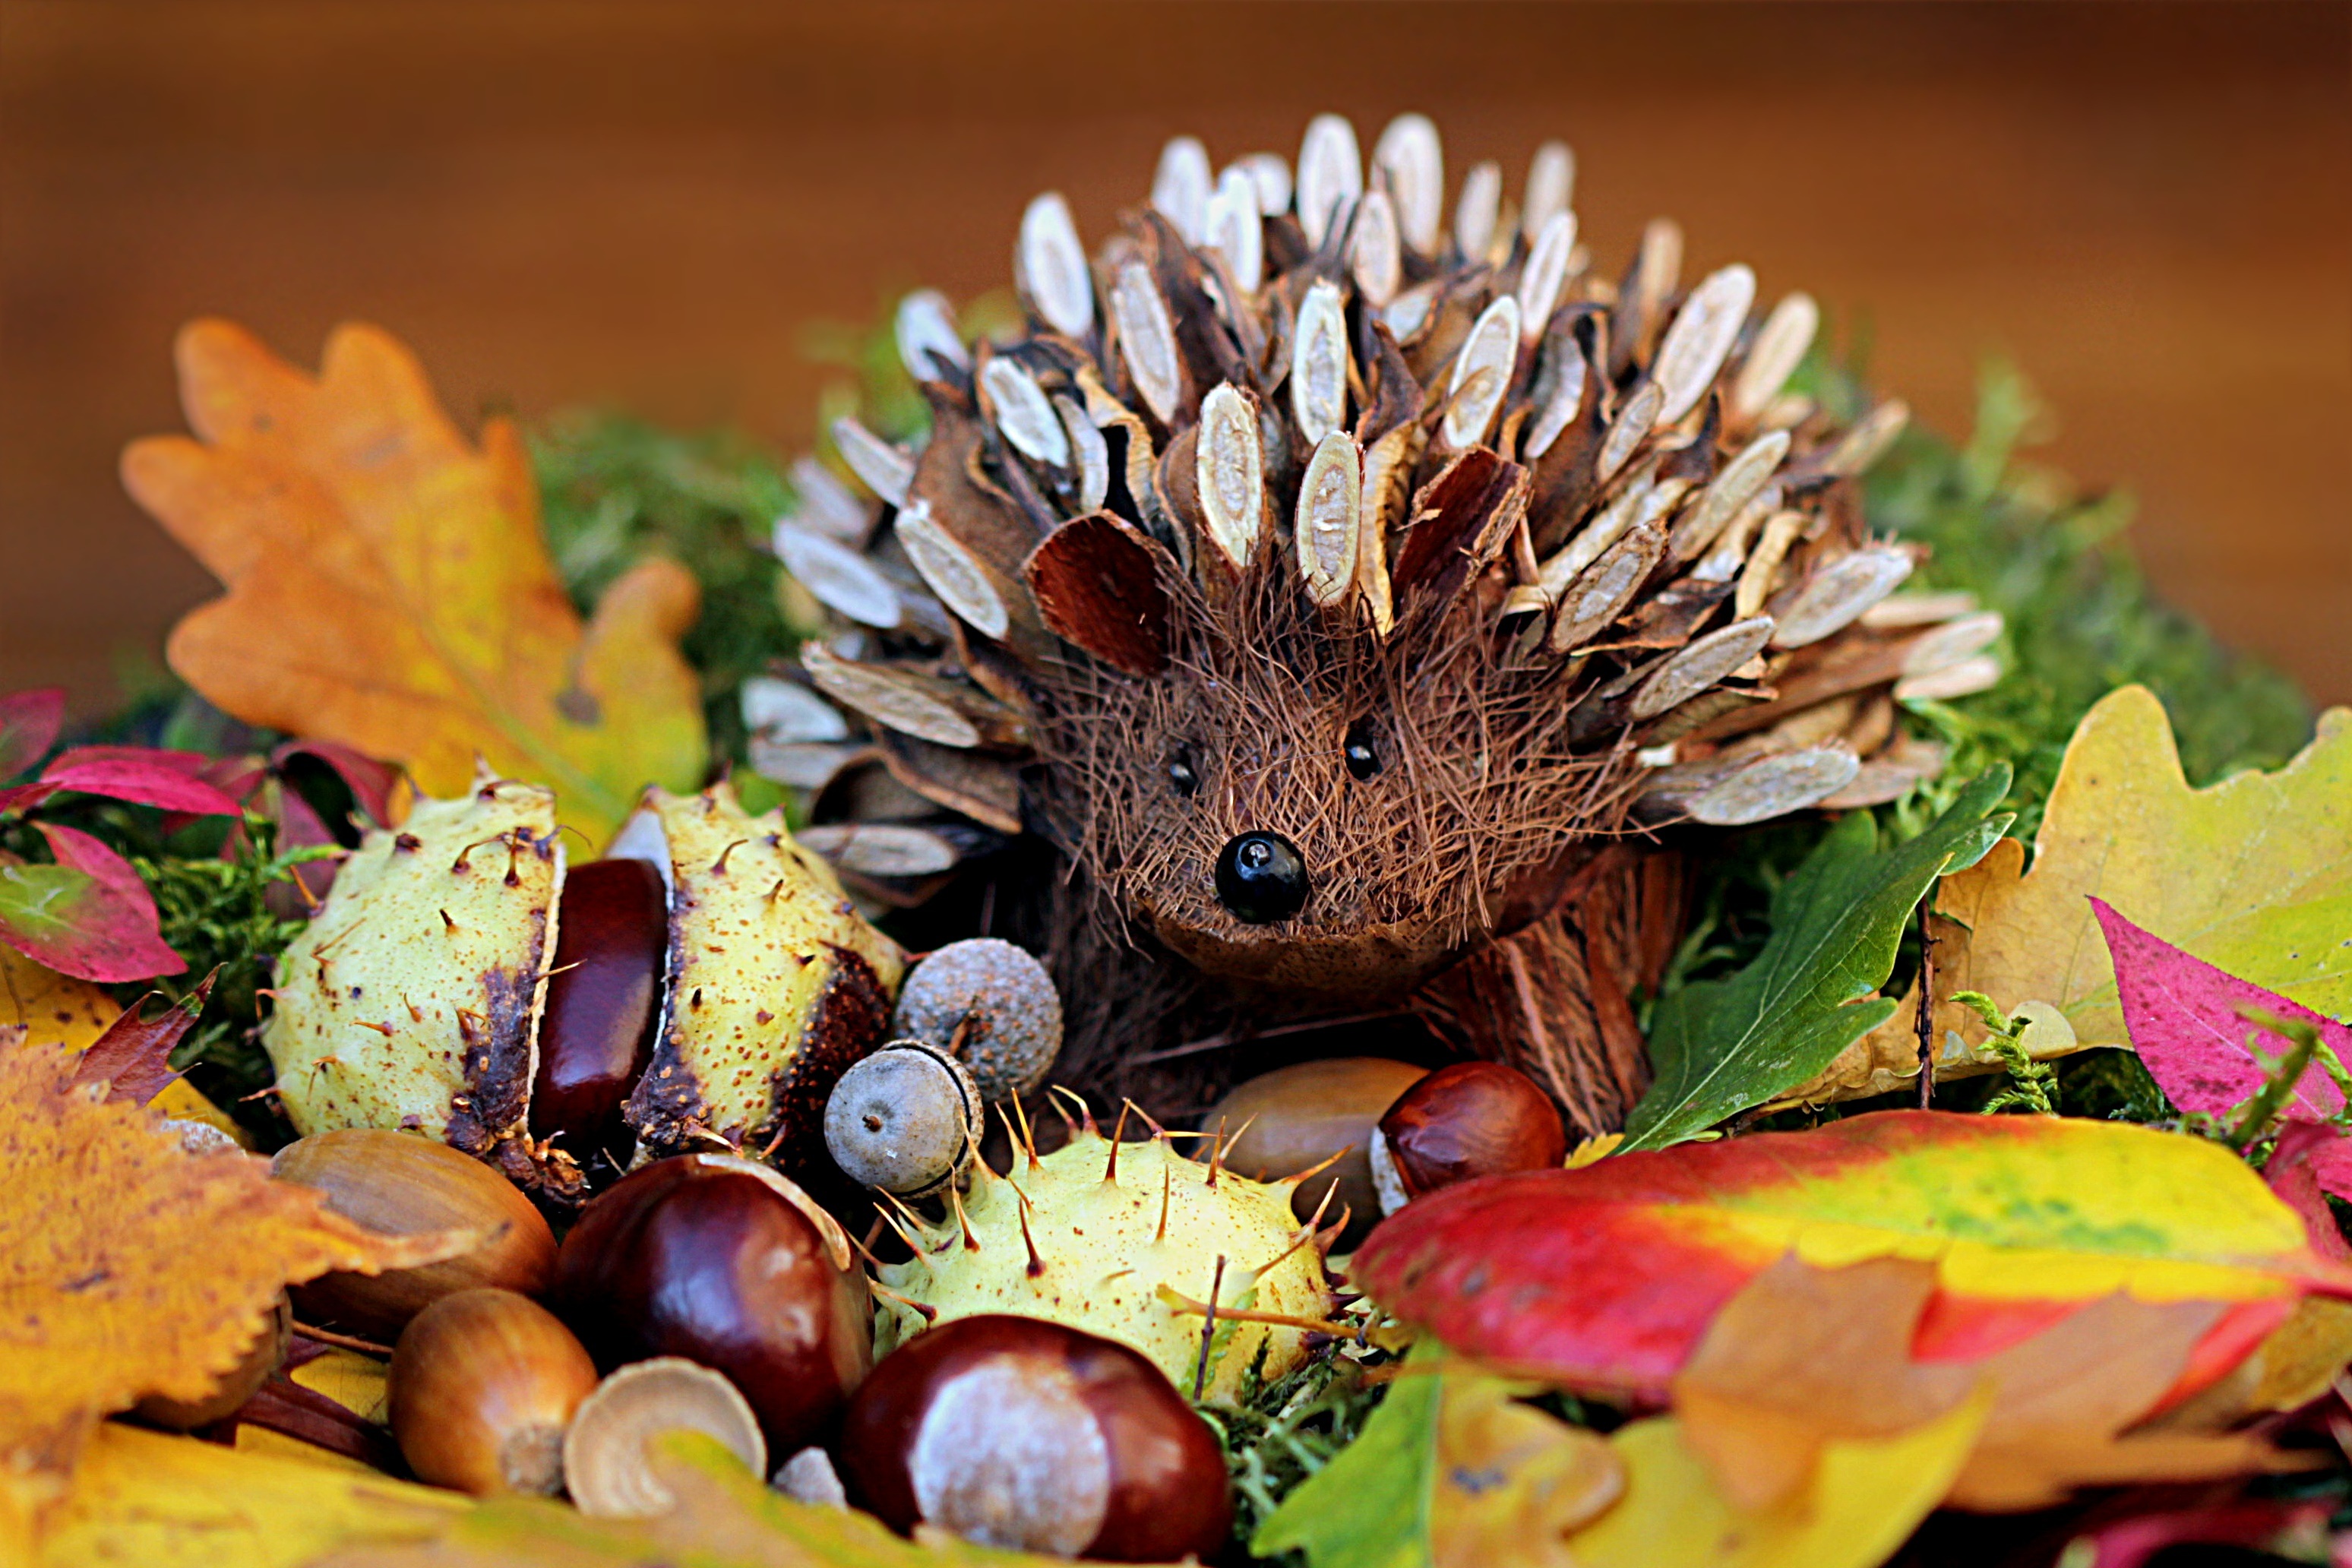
[482, 1385]
[1295, 1118]
[1023, 1434]
[402, 1183]
[1471, 1119]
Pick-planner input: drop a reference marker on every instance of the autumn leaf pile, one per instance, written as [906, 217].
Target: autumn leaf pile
[1787, 1319]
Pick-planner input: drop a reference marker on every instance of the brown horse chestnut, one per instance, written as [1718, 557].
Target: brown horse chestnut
[1021, 1433]
[603, 1000]
[481, 1387]
[1472, 1118]
[723, 1261]
[403, 1184]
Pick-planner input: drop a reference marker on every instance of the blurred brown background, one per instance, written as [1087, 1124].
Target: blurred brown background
[2149, 205]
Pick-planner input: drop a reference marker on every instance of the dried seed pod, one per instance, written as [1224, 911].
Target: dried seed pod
[1230, 472]
[1147, 339]
[1691, 354]
[1545, 271]
[482, 1386]
[1704, 661]
[1326, 527]
[906, 1120]
[402, 1183]
[1411, 157]
[1318, 363]
[1482, 374]
[1551, 186]
[963, 582]
[1834, 597]
[1471, 1119]
[886, 468]
[725, 1262]
[1779, 347]
[1376, 250]
[1022, 1433]
[1774, 786]
[1180, 187]
[841, 578]
[1049, 267]
[1297, 1119]
[1236, 228]
[606, 1466]
[929, 344]
[604, 1001]
[1022, 414]
[273, 1332]
[1478, 210]
[992, 1006]
[1269, 177]
[1330, 175]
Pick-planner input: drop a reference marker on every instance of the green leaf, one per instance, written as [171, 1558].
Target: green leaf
[1722, 1047]
[1370, 1507]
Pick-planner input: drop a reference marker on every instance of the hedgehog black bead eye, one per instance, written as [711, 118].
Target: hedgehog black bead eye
[1363, 757]
[1182, 778]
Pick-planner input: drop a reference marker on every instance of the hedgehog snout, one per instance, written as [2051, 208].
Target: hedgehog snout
[1261, 878]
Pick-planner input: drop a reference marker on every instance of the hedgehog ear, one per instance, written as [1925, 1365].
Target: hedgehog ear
[1096, 581]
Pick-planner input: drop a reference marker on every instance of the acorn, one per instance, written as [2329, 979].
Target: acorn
[606, 1466]
[726, 1263]
[990, 1005]
[482, 1385]
[402, 1183]
[1296, 1118]
[603, 1000]
[1028, 1435]
[906, 1120]
[236, 1386]
[1471, 1119]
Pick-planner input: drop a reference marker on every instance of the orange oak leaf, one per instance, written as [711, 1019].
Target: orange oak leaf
[130, 1267]
[390, 587]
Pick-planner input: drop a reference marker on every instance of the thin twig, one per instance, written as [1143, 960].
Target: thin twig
[1926, 1022]
[343, 1341]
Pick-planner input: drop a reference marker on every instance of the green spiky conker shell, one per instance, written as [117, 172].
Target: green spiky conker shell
[1101, 1257]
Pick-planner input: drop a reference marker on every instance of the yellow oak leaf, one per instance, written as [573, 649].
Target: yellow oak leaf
[1511, 1480]
[390, 587]
[141, 1497]
[54, 1009]
[130, 1267]
[1864, 1497]
[2252, 874]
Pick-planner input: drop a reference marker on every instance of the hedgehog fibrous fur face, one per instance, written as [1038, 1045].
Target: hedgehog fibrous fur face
[1475, 781]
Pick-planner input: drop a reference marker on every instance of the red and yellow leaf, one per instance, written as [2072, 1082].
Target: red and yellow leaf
[1605, 1278]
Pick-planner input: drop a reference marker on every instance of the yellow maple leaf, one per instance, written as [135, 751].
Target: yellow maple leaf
[106, 1296]
[390, 587]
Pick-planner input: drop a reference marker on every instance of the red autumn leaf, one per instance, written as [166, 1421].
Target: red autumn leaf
[2262, 1524]
[29, 721]
[88, 916]
[371, 782]
[1604, 1278]
[24, 796]
[143, 776]
[134, 1057]
[2309, 1158]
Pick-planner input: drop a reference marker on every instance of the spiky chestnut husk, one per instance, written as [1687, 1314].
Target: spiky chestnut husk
[413, 999]
[775, 985]
[1129, 1241]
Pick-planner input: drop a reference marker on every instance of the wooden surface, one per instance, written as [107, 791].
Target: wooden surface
[2149, 205]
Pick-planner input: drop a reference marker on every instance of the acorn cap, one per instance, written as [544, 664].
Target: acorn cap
[605, 1468]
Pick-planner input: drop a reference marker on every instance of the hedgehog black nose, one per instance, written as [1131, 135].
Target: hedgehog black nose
[1261, 878]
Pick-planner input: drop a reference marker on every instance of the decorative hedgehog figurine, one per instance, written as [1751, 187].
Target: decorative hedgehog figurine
[1345, 596]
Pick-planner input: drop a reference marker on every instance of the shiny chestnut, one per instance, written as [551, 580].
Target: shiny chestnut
[1471, 1119]
[724, 1262]
[1021, 1433]
[604, 1001]
[403, 1184]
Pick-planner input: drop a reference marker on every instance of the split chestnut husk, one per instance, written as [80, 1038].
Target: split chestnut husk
[402, 1183]
[726, 1263]
[482, 1386]
[1020, 1433]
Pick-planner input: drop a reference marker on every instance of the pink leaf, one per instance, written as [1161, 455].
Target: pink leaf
[2308, 1158]
[142, 775]
[26, 796]
[29, 721]
[2183, 1017]
[2256, 1523]
[88, 916]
